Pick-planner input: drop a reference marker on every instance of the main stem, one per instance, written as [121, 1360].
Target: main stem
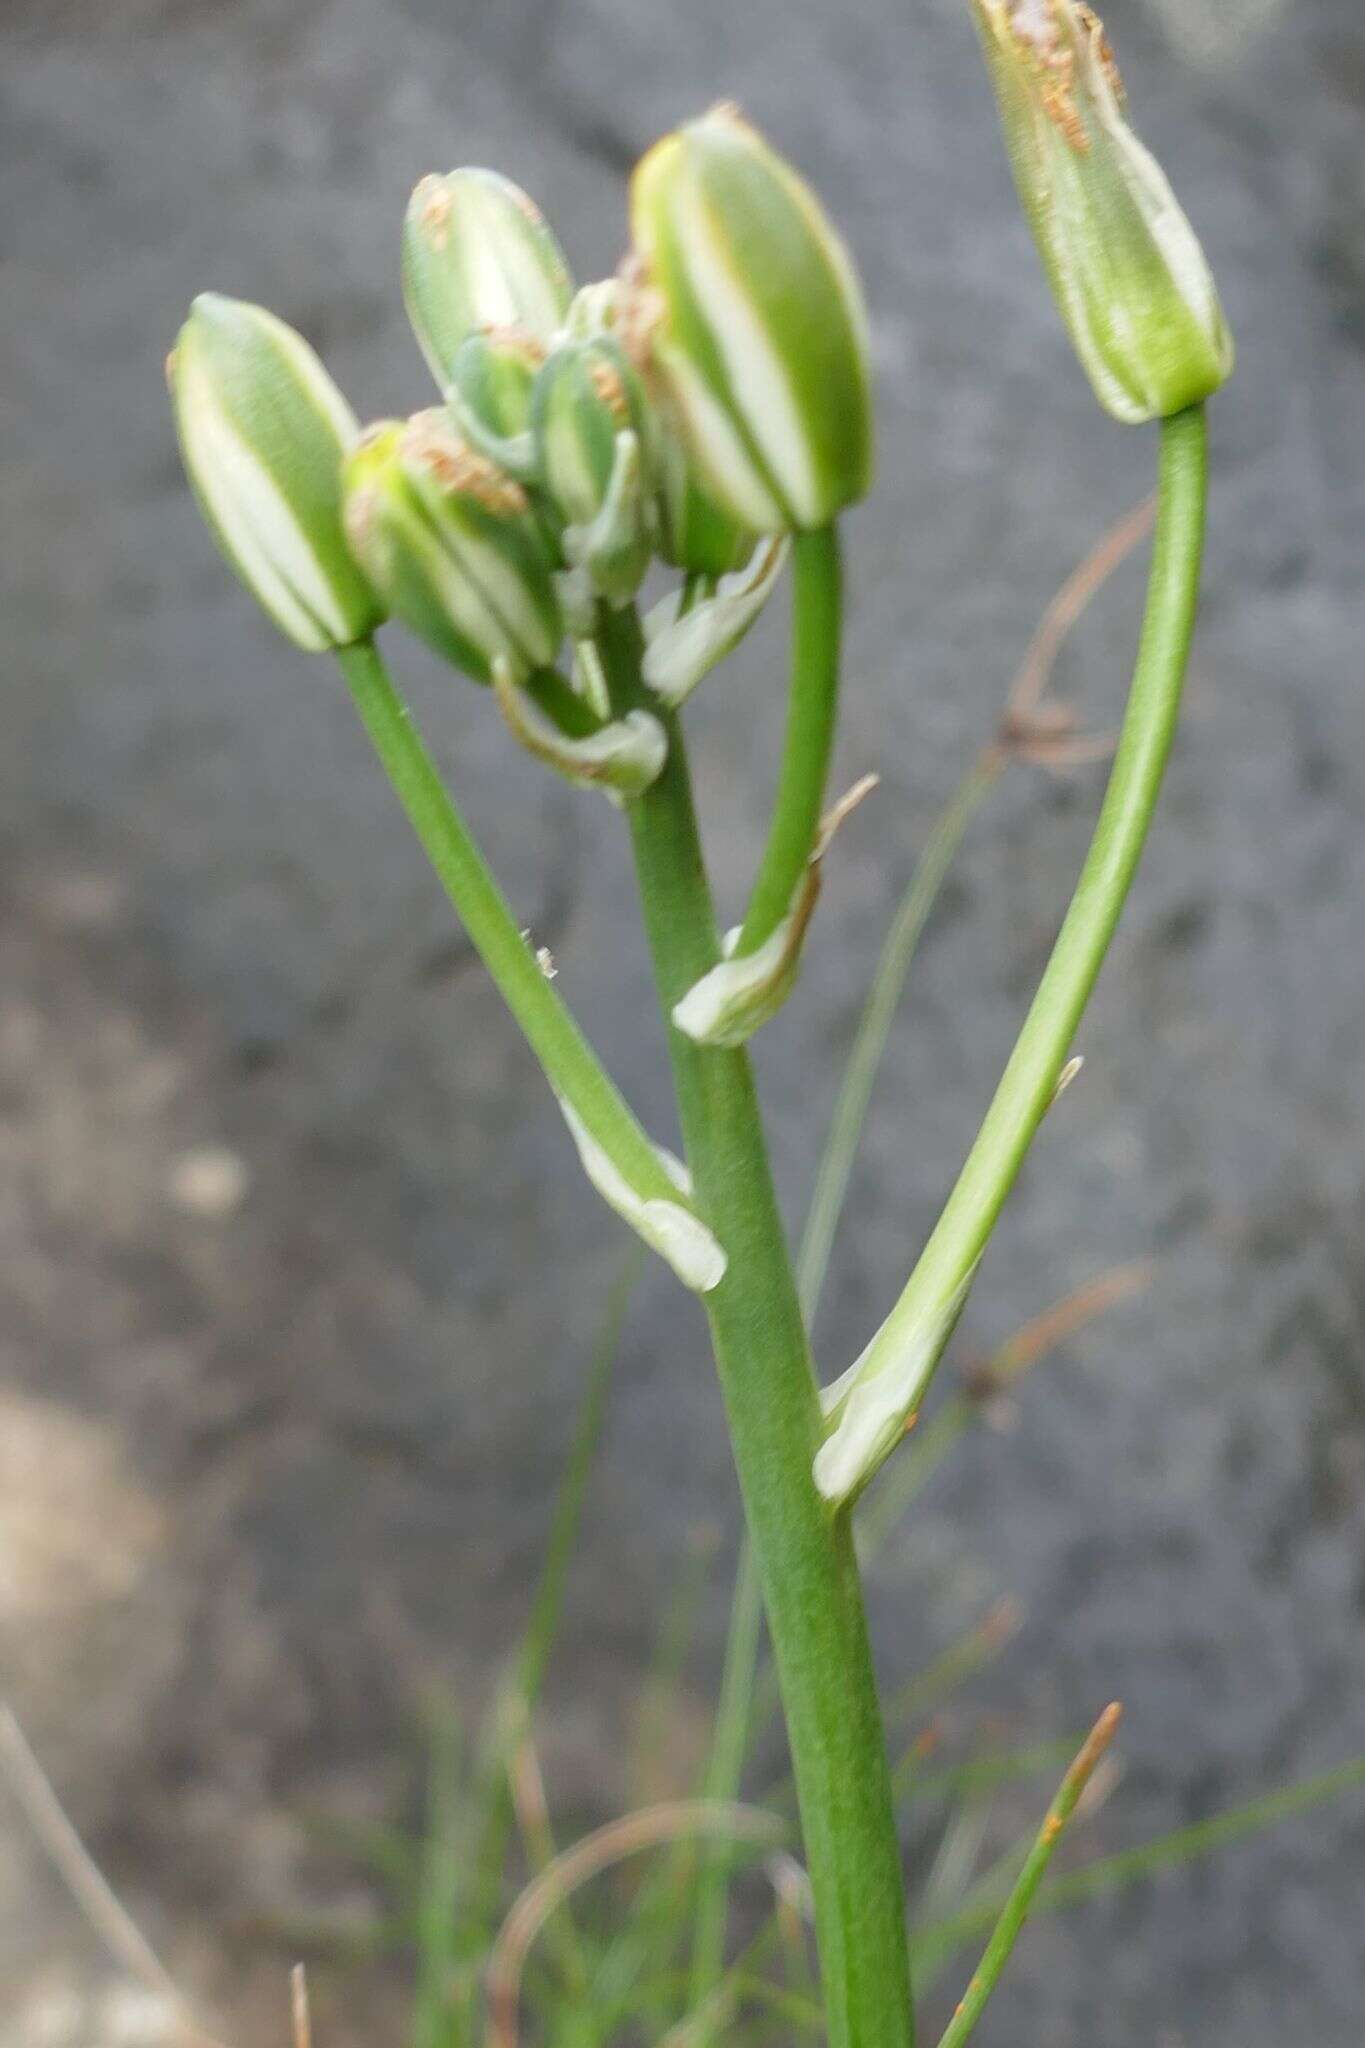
[805, 1555]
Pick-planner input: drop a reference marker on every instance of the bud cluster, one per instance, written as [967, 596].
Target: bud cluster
[711, 399]
[713, 393]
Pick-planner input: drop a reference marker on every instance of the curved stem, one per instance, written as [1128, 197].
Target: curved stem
[817, 610]
[571, 1066]
[805, 1555]
[1029, 1082]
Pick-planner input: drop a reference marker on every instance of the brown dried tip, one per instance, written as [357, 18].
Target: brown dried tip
[431, 442]
[433, 205]
[170, 369]
[1096, 1742]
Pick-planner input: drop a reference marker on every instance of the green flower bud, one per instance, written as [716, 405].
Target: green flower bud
[491, 382]
[758, 337]
[453, 545]
[693, 532]
[477, 253]
[590, 424]
[1127, 271]
[263, 433]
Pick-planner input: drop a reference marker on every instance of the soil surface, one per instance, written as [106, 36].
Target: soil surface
[299, 1278]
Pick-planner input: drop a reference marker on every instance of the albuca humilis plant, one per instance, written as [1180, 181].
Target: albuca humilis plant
[710, 409]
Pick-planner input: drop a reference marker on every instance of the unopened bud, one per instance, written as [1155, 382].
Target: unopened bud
[453, 545]
[591, 427]
[1125, 266]
[477, 253]
[489, 396]
[263, 433]
[759, 336]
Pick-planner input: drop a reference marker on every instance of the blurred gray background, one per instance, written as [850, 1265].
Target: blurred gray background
[298, 1275]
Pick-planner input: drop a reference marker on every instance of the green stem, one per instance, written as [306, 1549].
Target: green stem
[571, 1066]
[813, 700]
[805, 1555]
[1029, 1082]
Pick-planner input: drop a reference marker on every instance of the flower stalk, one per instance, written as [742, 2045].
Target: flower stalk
[625, 1167]
[869, 1409]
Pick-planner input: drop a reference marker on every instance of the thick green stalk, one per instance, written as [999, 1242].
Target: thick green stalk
[812, 709]
[804, 1552]
[570, 1065]
[1029, 1082]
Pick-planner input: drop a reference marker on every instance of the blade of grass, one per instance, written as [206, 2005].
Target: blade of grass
[586, 1859]
[984, 1774]
[518, 1696]
[682, 1613]
[435, 2024]
[86, 1882]
[959, 1662]
[1113, 1873]
[1016, 1909]
[533, 1817]
[725, 1768]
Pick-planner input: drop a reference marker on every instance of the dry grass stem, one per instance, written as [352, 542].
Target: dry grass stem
[88, 1886]
[575, 1866]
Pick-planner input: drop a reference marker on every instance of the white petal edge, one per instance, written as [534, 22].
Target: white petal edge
[681, 649]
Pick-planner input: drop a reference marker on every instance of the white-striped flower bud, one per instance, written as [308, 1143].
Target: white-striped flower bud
[1125, 266]
[263, 433]
[477, 253]
[758, 336]
[454, 546]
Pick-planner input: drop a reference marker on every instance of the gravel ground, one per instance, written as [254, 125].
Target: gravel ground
[298, 1278]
